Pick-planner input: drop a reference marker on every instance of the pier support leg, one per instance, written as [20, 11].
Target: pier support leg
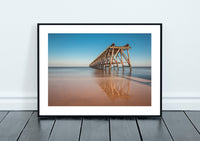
[122, 60]
[129, 62]
[111, 59]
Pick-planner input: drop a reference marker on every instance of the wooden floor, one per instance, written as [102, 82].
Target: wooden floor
[26, 126]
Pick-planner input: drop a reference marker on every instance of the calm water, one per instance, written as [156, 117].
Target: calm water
[85, 72]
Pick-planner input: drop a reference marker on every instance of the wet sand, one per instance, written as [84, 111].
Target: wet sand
[99, 91]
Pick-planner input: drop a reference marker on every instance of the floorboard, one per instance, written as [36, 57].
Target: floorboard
[2, 115]
[37, 129]
[180, 127]
[95, 130]
[66, 129]
[13, 124]
[124, 129]
[153, 129]
[26, 126]
[195, 119]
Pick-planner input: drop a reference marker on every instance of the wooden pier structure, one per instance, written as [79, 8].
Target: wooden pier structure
[112, 57]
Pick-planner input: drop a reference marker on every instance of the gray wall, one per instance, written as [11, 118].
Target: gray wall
[181, 48]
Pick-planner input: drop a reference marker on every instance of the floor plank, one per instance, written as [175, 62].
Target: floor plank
[95, 130]
[37, 129]
[153, 129]
[180, 127]
[2, 115]
[13, 124]
[66, 129]
[124, 129]
[194, 116]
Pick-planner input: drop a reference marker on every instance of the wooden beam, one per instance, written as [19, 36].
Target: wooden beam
[111, 60]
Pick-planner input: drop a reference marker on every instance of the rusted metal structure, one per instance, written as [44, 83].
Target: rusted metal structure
[112, 57]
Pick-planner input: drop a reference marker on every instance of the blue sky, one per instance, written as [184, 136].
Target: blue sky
[82, 49]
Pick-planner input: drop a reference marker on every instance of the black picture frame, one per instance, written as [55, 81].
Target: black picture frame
[38, 68]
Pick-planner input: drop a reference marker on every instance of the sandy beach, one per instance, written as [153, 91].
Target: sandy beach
[97, 88]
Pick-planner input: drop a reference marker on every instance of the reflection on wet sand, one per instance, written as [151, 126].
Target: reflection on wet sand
[115, 88]
[99, 89]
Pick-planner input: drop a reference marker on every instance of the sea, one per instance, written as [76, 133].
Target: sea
[87, 72]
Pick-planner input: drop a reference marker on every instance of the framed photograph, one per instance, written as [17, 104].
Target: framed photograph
[99, 69]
